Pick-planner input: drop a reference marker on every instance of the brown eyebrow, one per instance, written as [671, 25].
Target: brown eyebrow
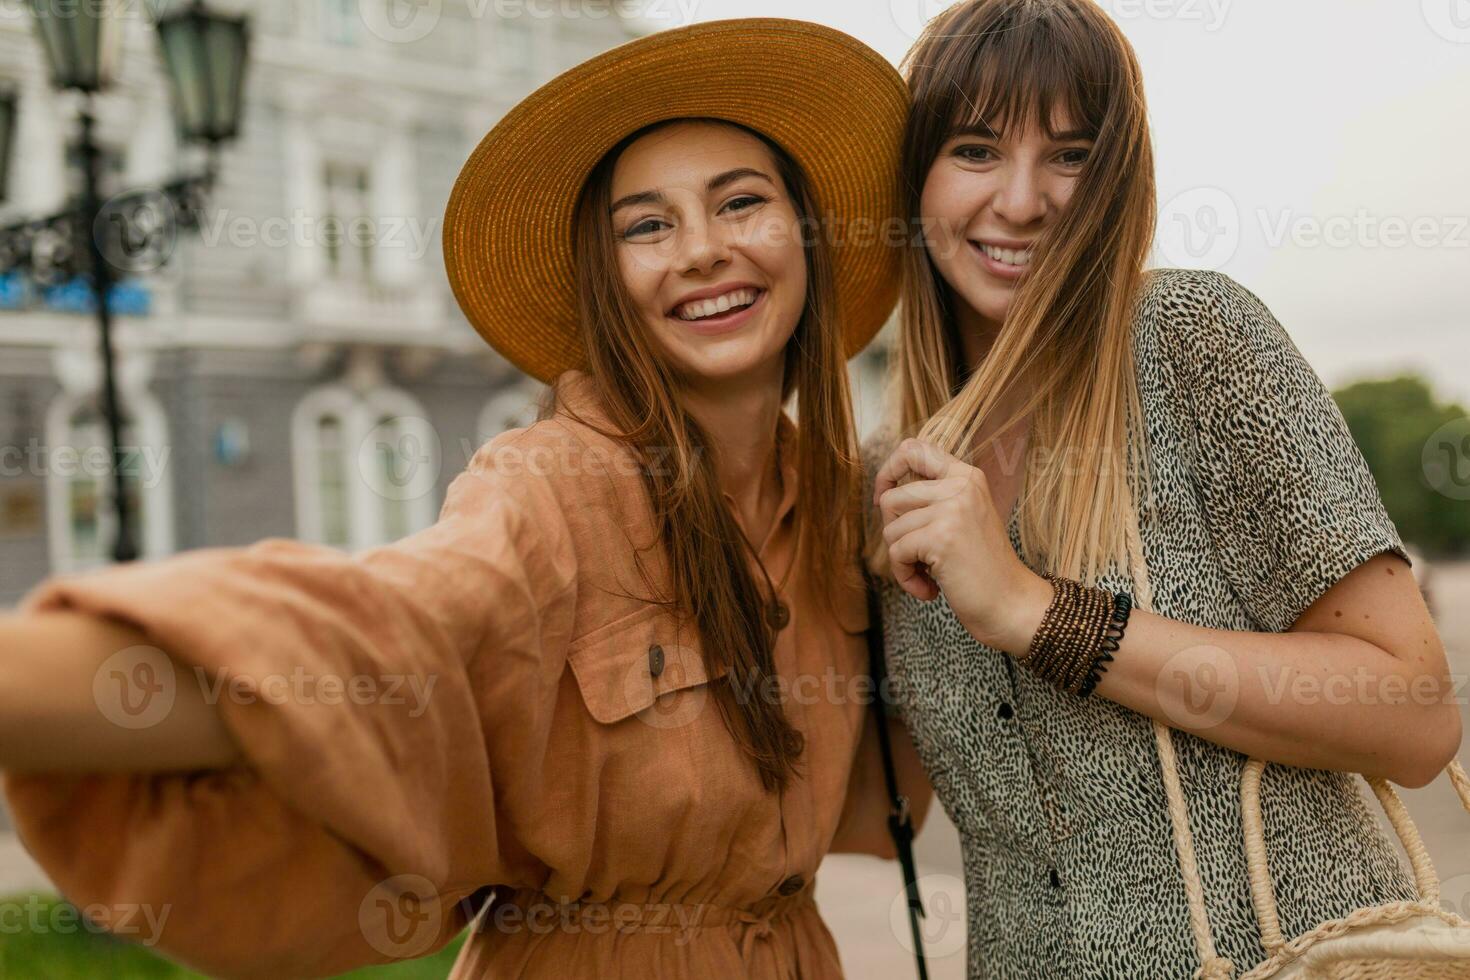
[642, 197]
[714, 184]
[980, 129]
[730, 176]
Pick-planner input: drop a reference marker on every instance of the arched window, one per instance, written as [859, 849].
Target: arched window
[331, 480]
[323, 432]
[366, 467]
[81, 518]
[404, 472]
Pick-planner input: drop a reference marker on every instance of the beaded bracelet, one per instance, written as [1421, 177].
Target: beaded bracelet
[1094, 614]
[1069, 633]
[1122, 606]
[1079, 633]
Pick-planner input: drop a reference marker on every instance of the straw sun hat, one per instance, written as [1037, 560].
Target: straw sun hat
[835, 105]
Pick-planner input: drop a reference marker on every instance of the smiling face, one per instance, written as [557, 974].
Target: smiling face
[709, 249]
[987, 199]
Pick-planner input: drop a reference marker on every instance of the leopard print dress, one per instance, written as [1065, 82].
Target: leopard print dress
[1260, 502]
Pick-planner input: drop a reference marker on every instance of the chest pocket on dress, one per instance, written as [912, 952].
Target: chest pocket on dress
[648, 664]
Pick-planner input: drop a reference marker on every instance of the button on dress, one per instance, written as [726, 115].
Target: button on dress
[568, 751]
[1260, 503]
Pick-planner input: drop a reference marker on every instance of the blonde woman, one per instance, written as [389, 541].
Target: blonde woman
[638, 625]
[1077, 417]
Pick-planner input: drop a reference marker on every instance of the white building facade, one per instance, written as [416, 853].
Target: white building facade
[299, 367]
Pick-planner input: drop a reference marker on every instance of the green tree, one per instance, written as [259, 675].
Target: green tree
[1393, 421]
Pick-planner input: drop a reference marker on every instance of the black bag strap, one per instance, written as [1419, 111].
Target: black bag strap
[900, 820]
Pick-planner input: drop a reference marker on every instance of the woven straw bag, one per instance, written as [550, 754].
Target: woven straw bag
[1406, 940]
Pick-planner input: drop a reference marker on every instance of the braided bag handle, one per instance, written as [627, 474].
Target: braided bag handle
[1213, 966]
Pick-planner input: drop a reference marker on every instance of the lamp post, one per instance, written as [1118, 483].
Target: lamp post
[205, 55]
[7, 131]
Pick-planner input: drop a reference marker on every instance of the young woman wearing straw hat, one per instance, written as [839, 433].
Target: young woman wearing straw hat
[640, 620]
[1132, 435]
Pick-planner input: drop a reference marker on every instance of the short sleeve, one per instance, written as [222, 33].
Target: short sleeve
[1289, 501]
[391, 707]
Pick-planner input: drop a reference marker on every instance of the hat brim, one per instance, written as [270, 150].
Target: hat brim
[835, 105]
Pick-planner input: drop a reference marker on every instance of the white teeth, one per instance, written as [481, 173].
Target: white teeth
[1008, 256]
[700, 308]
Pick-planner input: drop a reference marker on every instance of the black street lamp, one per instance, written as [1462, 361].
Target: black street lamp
[7, 132]
[205, 54]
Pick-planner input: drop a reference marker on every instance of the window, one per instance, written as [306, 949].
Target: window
[81, 516]
[366, 467]
[395, 457]
[91, 517]
[331, 480]
[347, 231]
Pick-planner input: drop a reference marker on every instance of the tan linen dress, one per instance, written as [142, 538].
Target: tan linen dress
[491, 701]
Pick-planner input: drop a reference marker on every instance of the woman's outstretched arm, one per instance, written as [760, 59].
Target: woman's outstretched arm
[383, 704]
[58, 680]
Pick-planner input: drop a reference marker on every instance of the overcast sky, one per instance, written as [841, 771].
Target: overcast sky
[1318, 151]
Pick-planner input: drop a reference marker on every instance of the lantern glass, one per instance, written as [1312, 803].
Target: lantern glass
[82, 41]
[205, 55]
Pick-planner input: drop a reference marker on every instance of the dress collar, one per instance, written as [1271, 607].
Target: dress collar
[578, 393]
[786, 462]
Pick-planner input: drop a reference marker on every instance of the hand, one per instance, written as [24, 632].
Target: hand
[944, 533]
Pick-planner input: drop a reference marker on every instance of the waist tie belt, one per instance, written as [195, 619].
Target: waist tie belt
[532, 910]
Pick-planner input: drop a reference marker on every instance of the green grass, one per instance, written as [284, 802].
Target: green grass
[80, 953]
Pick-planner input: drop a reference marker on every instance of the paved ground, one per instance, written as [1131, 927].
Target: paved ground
[862, 897]
[17, 871]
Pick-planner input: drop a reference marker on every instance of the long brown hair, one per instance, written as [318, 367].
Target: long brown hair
[1067, 334]
[710, 559]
